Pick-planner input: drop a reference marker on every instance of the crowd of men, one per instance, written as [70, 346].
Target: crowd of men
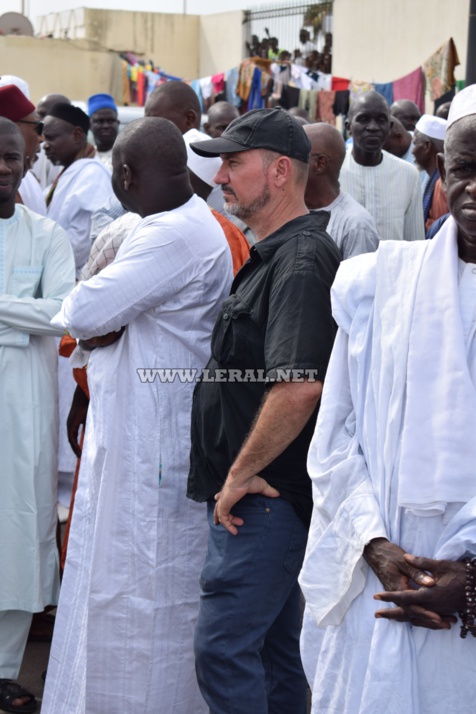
[234, 355]
[315, 55]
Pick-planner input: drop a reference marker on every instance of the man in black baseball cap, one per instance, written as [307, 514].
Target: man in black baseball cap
[252, 420]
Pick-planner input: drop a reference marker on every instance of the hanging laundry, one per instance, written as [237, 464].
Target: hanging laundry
[289, 97]
[255, 99]
[281, 72]
[246, 74]
[339, 84]
[313, 98]
[358, 87]
[446, 97]
[141, 87]
[325, 106]
[230, 90]
[126, 92]
[218, 81]
[341, 102]
[152, 81]
[304, 99]
[439, 70]
[386, 90]
[411, 86]
[207, 87]
[195, 84]
[323, 81]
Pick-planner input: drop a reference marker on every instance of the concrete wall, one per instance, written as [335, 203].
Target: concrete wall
[171, 41]
[82, 58]
[221, 42]
[189, 46]
[382, 40]
[70, 68]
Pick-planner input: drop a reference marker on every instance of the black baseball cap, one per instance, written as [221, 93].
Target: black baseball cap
[272, 129]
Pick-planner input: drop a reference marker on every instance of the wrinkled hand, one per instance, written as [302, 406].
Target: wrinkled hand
[431, 607]
[389, 564]
[76, 418]
[103, 341]
[232, 493]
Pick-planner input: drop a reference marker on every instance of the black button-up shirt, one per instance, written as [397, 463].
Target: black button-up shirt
[276, 324]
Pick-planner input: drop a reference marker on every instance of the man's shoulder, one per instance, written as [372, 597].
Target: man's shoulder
[306, 240]
[353, 210]
[36, 222]
[83, 168]
[399, 165]
[358, 277]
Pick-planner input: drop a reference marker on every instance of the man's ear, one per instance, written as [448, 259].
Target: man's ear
[126, 176]
[206, 126]
[440, 163]
[347, 127]
[79, 135]
[191, 117]
[26, 164]
[283, 168]
[320, 164]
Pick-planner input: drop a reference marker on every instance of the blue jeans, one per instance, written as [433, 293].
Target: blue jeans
[247, 634]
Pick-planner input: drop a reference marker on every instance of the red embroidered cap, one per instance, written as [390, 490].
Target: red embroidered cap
[13, 103]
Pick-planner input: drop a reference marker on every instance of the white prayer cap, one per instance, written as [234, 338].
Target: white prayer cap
[463, 104]
[204, 168]
[433, 127]
[17, 81]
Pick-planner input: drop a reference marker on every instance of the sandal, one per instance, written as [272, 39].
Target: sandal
[9, 691]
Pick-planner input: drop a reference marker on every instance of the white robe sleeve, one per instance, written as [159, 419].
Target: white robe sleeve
[143, 276]
[32, 315]
[414, 227]
[346, 514]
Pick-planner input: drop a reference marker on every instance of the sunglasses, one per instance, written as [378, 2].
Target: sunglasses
[38, 125]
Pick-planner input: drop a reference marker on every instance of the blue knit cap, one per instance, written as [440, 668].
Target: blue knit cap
[100, 101]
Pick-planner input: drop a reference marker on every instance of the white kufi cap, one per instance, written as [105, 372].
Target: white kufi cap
[433, 127]
[17, 81]
[463, 105]
[204, 168]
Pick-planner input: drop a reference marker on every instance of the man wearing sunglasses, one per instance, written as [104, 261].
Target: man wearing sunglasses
[15, 106]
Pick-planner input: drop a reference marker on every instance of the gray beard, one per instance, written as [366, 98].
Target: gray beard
[248, 210]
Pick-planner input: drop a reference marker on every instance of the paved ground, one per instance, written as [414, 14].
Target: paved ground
[34, 664]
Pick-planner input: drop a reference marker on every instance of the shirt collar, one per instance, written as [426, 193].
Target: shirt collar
[304, 225]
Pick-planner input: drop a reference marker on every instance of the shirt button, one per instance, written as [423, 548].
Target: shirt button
[306, 233]
[226, 316]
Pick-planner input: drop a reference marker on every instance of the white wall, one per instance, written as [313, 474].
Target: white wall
[383, 40]
[61, 66]
[221, 42]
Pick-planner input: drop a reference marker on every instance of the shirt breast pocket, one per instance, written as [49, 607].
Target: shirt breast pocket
[230, 335]
[25, 280]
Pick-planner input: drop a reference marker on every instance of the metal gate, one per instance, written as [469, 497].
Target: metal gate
[285, 22]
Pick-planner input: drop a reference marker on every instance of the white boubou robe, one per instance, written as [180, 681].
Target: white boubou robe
[36, 273]
[394, 455]
[83, 188]
[123, 637]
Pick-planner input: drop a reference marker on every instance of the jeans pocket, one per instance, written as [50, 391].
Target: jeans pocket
[297, 547]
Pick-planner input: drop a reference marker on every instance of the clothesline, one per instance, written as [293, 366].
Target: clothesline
[258, 82]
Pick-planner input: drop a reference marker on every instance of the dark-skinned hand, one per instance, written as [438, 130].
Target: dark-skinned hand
[103, 341]
[389, 564]
[76, 418]
[432, 606]
[399, 575]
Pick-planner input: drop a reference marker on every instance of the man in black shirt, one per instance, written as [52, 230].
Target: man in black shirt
[253, 417]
